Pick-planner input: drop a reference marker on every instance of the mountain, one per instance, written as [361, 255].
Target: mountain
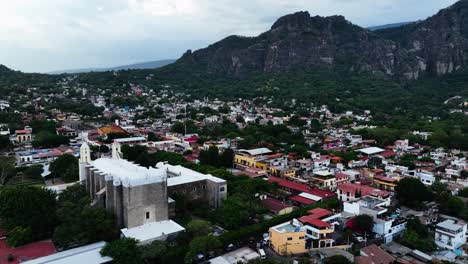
[143, 65]
[435, 46]
[393, 25]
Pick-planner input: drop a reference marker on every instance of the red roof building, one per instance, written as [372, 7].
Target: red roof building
[275, 206]
[26, 252]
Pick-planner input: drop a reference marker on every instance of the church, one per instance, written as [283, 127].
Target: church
[139, 197]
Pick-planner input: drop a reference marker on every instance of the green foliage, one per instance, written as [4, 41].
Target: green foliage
[452, 205]
[179, 127]
[246, 231]
[417, 236]
[65, 167]
[202, 245]
[28, 207]
[463, 192]
[19, 236]
[199, 227]
[81, 224]
[210, 156]
[412, 192]
[226, 158]
[5, 143]
[38, 126]
[46, 139]
[7, 169]
[123, 251]
[154, 251]
[364, 222]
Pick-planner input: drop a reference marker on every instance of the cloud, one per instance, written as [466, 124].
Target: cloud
[59, 34]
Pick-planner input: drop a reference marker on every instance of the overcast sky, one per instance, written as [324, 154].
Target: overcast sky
[46, 35]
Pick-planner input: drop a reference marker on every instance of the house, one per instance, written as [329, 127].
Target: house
[324, 179]
[288, 238]
[371, 151]
[66, 131]
[353, 191]
[373, 254]
[388, 226]
[341, 178]
[276, 206]
[23, 135]
[450, 234]
[251, 158]
[319, 228]
[114, 129]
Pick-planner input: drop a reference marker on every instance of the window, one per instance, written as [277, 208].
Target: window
[301, 237]
[147, 215]
[289, 238]
[221, 189]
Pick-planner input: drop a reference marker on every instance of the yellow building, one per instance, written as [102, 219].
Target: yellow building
[251, 158]
[288, 238]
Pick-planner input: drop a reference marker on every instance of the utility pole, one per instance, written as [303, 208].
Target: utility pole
[185, 121]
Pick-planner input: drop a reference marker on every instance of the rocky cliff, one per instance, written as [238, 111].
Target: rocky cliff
[436, 46]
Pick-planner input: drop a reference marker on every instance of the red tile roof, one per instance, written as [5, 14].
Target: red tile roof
[374, 254]
[341, 176]
[274, 205]
[301, 187]
[314, 222]
[301, 200]
[290, 185]
[26, 252]
[314, 217]
[319, 213]
[365, 190]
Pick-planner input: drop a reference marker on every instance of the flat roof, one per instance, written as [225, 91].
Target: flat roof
[153, 230]
[85, 254]
[257, 151]
[450, 225]
[371, 150]
[128, 173]
[185, 175]
[241, 255]
[129, 139]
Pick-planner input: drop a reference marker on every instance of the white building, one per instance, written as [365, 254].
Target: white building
[85, 254]
[450, 235]
[387, 227]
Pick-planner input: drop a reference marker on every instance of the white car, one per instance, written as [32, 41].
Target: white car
[359, 239]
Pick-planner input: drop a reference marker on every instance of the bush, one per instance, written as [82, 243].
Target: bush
[19, 236]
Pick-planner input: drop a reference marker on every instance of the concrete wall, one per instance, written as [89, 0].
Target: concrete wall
[144, 204]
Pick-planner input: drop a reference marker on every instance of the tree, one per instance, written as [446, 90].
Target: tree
[451, 205]
[7, 169]
[337, 260]
[412, 192]
[19, 236]
[210, 156]
[5, 143]
[154, 251]
[123, 251]
[199, 227]
[202, 245]
[81, 224]
[463, 192]
[153, 137]
[28, 207]
[226, 158]
[364, 222]
[46, 139]
[65, 167]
